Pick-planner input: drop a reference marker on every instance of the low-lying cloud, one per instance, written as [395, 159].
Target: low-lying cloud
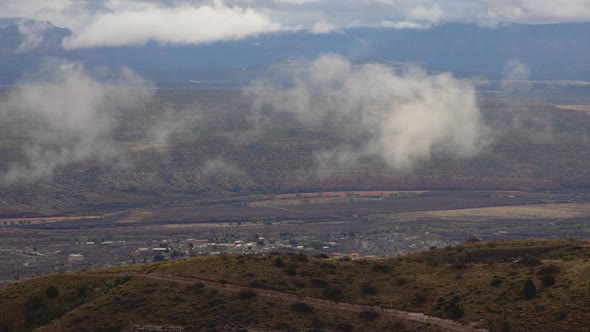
[401, 116]
[64, 115]
[171, 25]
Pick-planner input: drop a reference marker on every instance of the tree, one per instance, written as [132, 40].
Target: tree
[530, 290]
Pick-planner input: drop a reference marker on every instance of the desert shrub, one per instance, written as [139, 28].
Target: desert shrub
[401, 281]
[7, 327]
[278, 262]
[456, 312]
[370, 315]
[381, 268]
[530, 290]
[368, 289]
[505, 326]
[248, 294]
[420, 299]
[39, 312]
[301, 307]
[344, 327]
[457, 265]
[51, 292]
[291, 271]
[122, 280]
[318, 282]
[333, 293]
[298, 283]
[496, 281]
[548, 280]
[399, 326]
[548, 269]
[214, 302]
[530, 261]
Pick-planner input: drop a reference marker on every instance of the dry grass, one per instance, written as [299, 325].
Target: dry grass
[536, 211]
[326, 197]
[480, 280]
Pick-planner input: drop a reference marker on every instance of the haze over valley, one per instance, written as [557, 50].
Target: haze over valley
[294, 167]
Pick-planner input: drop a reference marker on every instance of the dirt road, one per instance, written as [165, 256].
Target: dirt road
[445, 324]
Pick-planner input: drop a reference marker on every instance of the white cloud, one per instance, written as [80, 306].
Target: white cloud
[323, 27]
[64, 115]
[400, 116]
[179, 25]
[404, 25]
[32, 33]
[515, 70]
[132, 22]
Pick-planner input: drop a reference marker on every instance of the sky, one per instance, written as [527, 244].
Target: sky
[135, 22]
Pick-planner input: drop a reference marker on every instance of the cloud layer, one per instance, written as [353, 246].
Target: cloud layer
[133, 22]
[64, 115]
[401, 116]
[178, 25]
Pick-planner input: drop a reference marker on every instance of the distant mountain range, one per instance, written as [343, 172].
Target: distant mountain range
[33, 37]
[547, 52]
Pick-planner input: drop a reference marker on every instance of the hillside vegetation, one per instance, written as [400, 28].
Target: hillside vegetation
[495, 286]
[218, 151]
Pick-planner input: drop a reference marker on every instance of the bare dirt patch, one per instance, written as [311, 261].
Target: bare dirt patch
[581, 108]
[39, 220]
[537, 211]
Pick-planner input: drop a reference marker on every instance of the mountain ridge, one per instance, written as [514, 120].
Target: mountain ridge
[464, 49]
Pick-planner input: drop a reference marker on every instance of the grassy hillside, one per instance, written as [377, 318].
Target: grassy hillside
[479, 285]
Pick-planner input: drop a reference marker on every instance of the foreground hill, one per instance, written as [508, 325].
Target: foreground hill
[496, 286]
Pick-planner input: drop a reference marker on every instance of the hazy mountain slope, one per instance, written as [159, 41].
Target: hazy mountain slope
[31, 37]
[548, 51]
[218, 151]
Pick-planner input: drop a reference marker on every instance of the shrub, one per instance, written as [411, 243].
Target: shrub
[291, 271]
[248, 294]
[381, 268]
[344, 327]
[505, 326]
[456, 312]
[548, 269]
[548, 280]
[530, 290]
[420, 299]
[51, 292]
[496, 281]
[279, 262]
[368, 289]
[301, 307]
[333, 293]
[370, 315]
[318, 282]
